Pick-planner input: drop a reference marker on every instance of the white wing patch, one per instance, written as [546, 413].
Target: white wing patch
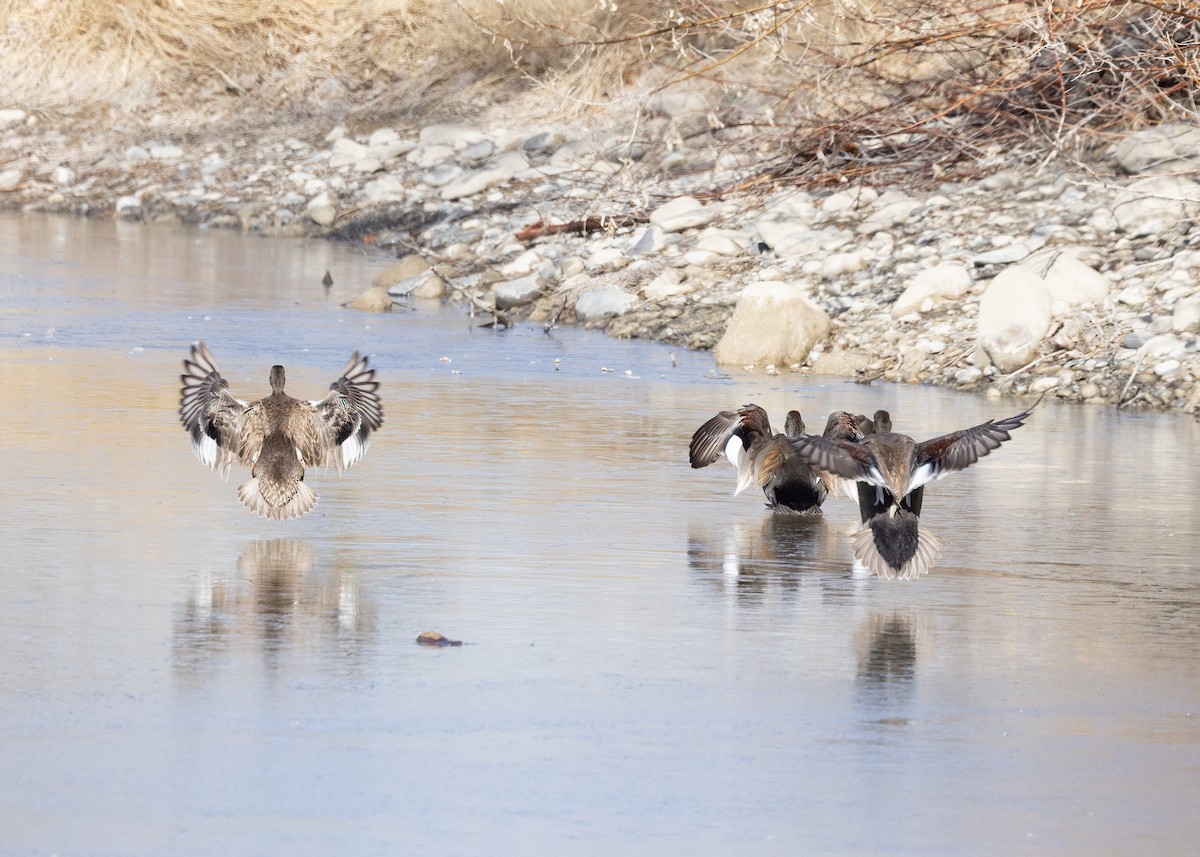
[353, 450]
[206, 450]
[923, 475]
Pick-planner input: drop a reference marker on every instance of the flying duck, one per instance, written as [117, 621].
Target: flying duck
[278, 436]
[790, 484]
[892, 471]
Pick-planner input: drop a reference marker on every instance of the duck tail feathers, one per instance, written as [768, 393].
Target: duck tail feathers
[300, 503]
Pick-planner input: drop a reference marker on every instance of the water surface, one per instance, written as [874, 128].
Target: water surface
[652, 666]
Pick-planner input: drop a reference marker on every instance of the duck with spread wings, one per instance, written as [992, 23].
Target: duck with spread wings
[892, 471]
[789, 483]
[277, 437]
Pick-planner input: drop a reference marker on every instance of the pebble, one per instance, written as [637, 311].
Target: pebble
[10, 179]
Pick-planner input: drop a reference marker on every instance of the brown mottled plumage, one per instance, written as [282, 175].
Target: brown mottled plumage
[278, 436]
[790, 484]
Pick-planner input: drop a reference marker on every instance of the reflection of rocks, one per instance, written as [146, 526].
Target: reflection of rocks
[279, 597]
[887, 655]
[749, 558]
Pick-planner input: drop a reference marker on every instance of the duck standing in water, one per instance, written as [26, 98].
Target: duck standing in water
[892, 471]
[278, 436]
[790, 484]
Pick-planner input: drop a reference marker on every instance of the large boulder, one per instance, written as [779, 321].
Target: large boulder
[773, 323]
[1014, 315]
[1156, 204]
[944, 282]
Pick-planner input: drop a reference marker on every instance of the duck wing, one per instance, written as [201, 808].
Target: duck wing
[710, 440]
[842, 458]
[958, 450]
[349, 414]
[209, 412]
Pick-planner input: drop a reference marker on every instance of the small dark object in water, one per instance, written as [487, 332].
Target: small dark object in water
[433, 638]
[327, 280]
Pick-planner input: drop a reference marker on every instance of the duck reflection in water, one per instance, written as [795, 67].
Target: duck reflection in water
[887, 661]
[749, 558]
[278, 596]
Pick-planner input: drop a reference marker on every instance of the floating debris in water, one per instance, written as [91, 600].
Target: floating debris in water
[327, 280]
[433, 638]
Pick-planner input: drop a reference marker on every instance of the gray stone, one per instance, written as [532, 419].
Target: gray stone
[500, 171]
[442, 175]
[1163, 148]
[480, 151]
[1003, 255]
[948, 281]
[543, 142]
[681, 213]
[603, 302]
[515, 293]
[668, 283]
[648, 239]
[773, 323]
[430, 287]
[1151, 205]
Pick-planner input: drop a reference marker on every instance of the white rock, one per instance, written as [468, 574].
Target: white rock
[456, 136]
[1014, 315]
[383, 137]
[1186, 317]
[11, 116]
[1002, 255]
[129, 206]
[442, 175]
[337, 133]
[1134, 296]
[848, 200]
[1148, 206]
[792, 238]
[165, 153]
[429, 156]
[889, 210]
[603, 257]
[367, 165]
[723, 242]
[668, 283]
[9, 179]
[63, 176]
[383, 189]
[968, 375]
[773, 323]
[1167, 368]
[321, 209]
[136, 155]
[1043, 384]
[947, 281]
[838, 264]
[603, 302]
[515, 293]
[700, 258]
[390, 151]
[1072, 282]
[684, 212]
[526, 263]
[1163, 345]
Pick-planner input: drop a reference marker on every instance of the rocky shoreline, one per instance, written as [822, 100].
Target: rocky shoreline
[1078, 283]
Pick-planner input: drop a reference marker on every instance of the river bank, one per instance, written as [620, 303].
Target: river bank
[1024, 277]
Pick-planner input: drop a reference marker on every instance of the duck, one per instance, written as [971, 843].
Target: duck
[278, 437]
[892, 470]
[789, 483]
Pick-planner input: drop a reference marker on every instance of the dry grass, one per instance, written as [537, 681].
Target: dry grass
[845, 88]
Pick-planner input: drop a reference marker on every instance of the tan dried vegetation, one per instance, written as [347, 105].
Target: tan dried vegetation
[848, 87]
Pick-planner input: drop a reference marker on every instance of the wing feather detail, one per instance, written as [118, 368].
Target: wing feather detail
[958, 450]
[348, 415]
[209, 412]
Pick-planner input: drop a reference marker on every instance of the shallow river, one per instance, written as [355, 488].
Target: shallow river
[651, 665]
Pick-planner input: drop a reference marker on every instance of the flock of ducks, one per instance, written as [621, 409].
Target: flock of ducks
[797, 471]
[278, 437]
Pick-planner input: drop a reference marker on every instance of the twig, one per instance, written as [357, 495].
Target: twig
[1121, 398]
[1028, 365]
